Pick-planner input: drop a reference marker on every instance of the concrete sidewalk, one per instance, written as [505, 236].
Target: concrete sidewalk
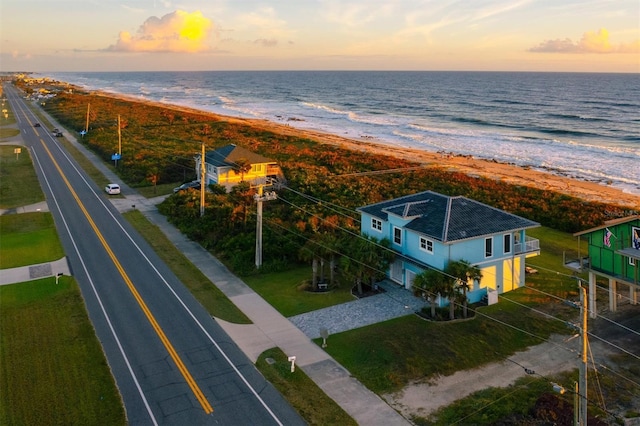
[37, 207]
[269, 328]
[34, 272]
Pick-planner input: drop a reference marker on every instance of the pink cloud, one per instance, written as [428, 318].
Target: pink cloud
[591, 42]
[178, 31]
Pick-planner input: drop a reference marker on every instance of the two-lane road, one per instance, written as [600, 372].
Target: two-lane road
[172, 363]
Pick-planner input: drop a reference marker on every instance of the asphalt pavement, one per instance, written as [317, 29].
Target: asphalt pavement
[269, 329]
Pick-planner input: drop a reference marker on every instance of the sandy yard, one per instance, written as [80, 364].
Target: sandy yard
[546, 359]
[558, 354]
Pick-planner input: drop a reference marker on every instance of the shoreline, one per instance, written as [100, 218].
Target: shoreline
[491, 169]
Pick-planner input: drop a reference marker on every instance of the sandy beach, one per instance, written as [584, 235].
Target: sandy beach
[508, 173]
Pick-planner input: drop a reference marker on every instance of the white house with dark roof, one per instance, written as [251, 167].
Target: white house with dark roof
[429, 230]
[222, 167]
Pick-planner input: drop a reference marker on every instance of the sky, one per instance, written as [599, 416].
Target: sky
[191, 35]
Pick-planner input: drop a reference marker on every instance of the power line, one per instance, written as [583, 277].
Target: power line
[564, 300]
[324, 204]
[452, 277]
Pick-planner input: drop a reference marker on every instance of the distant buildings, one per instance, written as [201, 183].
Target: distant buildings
[429, 230]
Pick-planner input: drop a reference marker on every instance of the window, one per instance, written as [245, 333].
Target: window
[376, 224]
[632, 261]
[507, 243]
[397, 236]
[488, 247]
[426, 245]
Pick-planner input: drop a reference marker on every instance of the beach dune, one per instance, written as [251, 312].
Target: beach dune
[507, 173]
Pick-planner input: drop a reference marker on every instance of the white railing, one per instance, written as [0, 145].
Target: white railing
[529, 245]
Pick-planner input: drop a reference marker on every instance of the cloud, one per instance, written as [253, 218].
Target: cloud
[266, 42]
[178, 31]
[591, 42]
[19, 56]
[356, 14]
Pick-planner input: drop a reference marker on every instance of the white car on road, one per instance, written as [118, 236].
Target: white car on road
[112, 188]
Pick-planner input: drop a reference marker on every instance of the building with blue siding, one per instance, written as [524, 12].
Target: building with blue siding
[429, 230]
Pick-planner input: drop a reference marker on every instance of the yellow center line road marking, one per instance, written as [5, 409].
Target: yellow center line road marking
[165, 341]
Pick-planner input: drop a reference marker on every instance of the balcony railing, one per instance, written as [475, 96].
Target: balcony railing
[575, 262]
[529, 245]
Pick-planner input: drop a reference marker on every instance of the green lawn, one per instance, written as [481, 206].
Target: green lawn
[301, 392]
[389, 355]
[27, 239]
[8, 133]
[52, 368]
[19, 184]
[285, 291]
[160, 189]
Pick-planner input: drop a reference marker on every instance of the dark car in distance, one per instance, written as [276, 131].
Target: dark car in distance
[194, 184]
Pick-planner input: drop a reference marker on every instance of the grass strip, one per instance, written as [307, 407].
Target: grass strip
[8, 133]
[27, 239]
[16, 174]
[52, 368]
[213, 300]
[301, 392]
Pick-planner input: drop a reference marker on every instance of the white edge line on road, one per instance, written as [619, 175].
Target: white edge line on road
[95, 292]
[211, 339]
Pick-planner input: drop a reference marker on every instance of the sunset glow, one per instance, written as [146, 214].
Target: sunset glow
[527, 35]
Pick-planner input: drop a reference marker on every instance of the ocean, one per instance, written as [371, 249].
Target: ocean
[581, 125]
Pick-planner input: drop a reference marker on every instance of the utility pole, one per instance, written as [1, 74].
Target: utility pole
[119, 137]
[580, 387]
[203, 178]
[86, 127]
[260, 197]
[582, 381]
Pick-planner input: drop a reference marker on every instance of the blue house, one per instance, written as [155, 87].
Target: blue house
[429, 230]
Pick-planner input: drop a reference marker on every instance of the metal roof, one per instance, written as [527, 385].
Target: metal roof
[446, 218]
[228, 155]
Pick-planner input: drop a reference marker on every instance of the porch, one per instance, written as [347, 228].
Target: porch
[530, 245]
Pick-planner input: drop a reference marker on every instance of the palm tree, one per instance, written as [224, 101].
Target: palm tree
[376, 256]
[368, 258]
[351, 264]
[450, 291]
[329, 249]
[432, 282]
[309, 253]
[463, 271]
